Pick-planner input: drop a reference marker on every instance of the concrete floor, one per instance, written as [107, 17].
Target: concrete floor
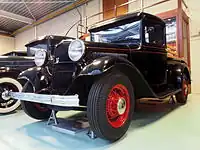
[160, 127]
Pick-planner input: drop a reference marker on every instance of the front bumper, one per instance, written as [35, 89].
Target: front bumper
[56, 100]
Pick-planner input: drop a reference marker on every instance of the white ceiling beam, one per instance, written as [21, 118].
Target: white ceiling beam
[16, 17]
[36, 2]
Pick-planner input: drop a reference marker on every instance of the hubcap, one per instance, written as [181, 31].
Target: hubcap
[6, 101]
[121, 106]
[118, 106]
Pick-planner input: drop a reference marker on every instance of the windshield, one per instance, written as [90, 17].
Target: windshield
[127, 33]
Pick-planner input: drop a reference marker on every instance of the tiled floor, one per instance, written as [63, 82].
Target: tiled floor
[160, 127]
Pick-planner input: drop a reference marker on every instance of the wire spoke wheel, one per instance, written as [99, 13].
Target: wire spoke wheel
[118, 105]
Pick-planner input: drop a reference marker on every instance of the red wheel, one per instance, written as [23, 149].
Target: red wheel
[118, 106]
[40, 108]
[34, 110]
[110, 106]
[182, 96]
[185, 88]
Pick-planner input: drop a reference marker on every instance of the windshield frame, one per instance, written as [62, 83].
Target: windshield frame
[116, 24]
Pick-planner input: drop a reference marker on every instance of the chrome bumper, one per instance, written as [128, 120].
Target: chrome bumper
[57, 100]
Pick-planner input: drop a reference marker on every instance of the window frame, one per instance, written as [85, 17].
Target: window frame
[150, 21]
[123, 23]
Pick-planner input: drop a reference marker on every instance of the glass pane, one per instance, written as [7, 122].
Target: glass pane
[154, 34]
[129, 32]
[170, 29]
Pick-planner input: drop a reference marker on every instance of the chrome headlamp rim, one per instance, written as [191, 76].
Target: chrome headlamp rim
[83, 49]
[45, 59]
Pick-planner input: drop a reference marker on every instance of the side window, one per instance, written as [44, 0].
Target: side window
[154, 34]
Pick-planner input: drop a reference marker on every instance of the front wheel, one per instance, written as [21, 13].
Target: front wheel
[34, 110]
[9, 105]
[110, 106]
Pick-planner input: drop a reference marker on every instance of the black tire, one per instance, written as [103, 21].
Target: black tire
[182, 96]
[34, 110]
[97, 103]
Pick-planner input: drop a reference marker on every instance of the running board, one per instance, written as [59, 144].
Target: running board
[170, 94]
[161, 99]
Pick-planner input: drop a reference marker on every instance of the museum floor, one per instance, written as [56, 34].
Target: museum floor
[160, 127]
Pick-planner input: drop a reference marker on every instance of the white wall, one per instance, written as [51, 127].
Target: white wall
[6, 44]
[170, 5]
[193, 12]
[59, 25]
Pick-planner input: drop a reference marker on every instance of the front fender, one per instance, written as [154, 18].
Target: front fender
[35, 77]
[102, 64]
[105, 64]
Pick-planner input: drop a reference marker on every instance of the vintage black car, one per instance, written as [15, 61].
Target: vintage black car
[125, 61]
[11, 65]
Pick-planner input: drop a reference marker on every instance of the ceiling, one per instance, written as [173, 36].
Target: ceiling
[15, 14]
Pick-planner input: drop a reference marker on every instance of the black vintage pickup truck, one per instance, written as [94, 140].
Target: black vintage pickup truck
[126, 60]
[11, 65]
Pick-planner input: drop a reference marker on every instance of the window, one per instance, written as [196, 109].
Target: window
[127, 33]
[154, 34]
[170, 29]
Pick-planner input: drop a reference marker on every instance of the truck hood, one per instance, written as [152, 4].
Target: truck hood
[111, 47]
[53, 39]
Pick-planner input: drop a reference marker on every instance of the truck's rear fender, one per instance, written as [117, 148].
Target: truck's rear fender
[176, 71]
[35, 76]
[104, 65]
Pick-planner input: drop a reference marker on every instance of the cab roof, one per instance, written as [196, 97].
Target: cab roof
[124, 18]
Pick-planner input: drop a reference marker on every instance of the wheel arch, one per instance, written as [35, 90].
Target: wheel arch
[187, 73]
[33, 75]
[105, 65]
[140, 85]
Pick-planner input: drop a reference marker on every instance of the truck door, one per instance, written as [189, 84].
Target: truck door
[154, 42]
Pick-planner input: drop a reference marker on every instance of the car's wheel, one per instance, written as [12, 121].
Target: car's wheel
[34, 110]
[182, 96]
[9, 105]
[110, 106]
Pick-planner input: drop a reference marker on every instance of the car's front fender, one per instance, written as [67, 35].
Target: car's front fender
[103, 65]
[35, 77]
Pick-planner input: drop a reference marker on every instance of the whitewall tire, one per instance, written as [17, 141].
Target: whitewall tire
[10, 105]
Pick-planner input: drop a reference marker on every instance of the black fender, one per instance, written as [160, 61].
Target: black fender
[106, 64]
[177, 69]
[35, 76]
[9, 72]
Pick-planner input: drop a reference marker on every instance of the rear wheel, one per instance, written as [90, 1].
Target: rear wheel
[34, 110]
[9, 105]
[182, 96]
[110, 106]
